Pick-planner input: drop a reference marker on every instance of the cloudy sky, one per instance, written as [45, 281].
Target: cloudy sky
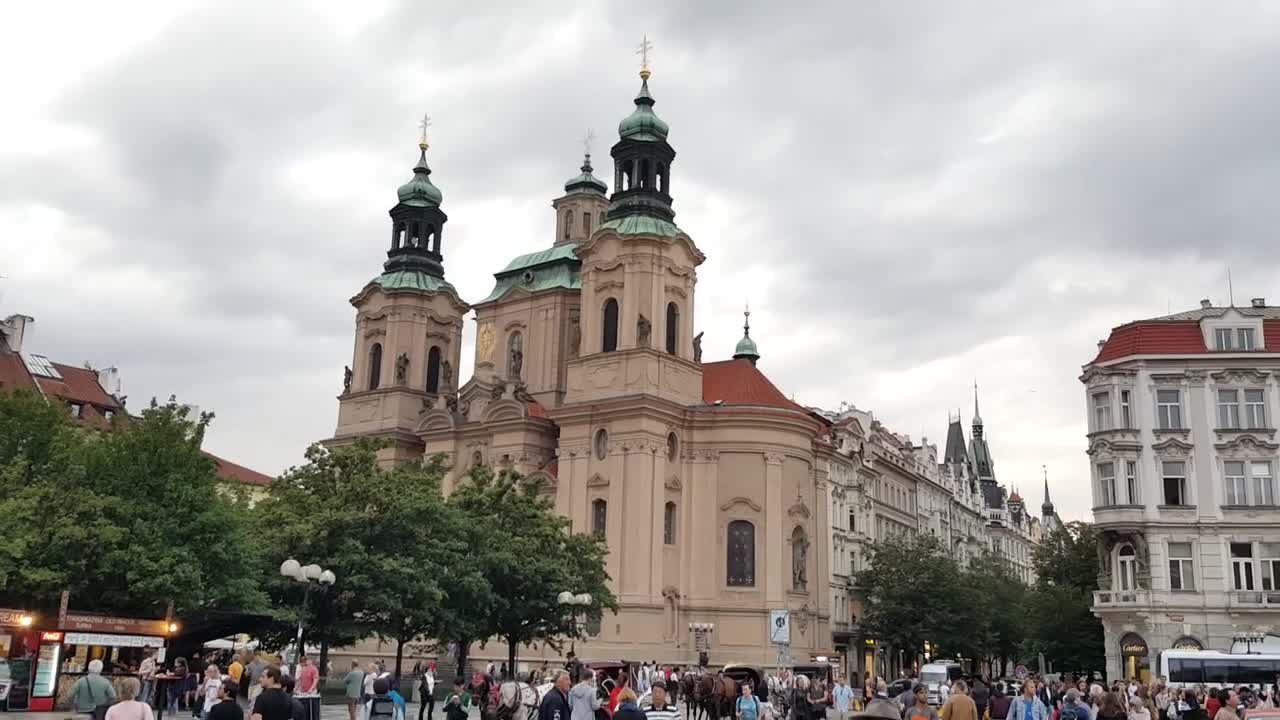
[911, 195]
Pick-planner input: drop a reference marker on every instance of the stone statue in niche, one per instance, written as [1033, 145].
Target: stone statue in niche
[697, 348]
[643, 328]
[799, 558]
[346, 379]
[402, 369]
[446, 377]
[575, 337]
[516, 363]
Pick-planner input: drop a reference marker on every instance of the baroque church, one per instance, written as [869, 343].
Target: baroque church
[708, 483]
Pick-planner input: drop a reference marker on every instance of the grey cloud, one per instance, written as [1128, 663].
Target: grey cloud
[844, 140]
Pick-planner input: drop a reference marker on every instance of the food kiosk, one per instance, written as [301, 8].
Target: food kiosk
[18, 640]
[117, 641]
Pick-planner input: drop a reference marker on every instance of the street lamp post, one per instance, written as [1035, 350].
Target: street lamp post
[309, 575]
[575, 604]
[701, 639]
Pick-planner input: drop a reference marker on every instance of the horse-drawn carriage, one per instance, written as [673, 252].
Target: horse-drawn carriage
[750, 674]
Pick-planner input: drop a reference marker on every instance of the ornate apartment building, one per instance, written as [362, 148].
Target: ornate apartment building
[1183, 453]
[885, 485]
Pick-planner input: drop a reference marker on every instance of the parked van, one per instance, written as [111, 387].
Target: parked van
[935, 674]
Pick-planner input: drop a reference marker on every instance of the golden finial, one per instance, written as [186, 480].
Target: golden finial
[426, 123]
[643, 52]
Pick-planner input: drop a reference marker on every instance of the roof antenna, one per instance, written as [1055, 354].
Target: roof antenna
[1231, 292]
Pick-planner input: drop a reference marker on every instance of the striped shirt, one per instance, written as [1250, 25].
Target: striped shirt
[666, 712]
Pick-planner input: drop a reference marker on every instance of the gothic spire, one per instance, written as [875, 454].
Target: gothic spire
[1046, 507]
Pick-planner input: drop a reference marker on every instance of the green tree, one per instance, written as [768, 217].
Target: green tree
[911, 587]
[529, 556]
[127, 520]
[1000, 601]
[1060, 622]
[396, 548]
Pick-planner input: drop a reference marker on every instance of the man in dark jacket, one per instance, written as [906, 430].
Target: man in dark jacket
[555, 704]
[981, 696]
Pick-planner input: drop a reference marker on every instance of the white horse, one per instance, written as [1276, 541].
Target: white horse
[517, 697]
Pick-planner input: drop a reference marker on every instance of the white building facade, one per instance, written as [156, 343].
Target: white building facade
[1183, 454]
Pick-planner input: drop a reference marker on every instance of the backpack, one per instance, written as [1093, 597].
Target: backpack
[1073, 711]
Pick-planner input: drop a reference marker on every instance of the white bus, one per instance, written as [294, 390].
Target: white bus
[1218, 669]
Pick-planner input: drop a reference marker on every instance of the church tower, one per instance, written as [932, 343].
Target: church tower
[408, 327]
[638, 277]
[583, 206]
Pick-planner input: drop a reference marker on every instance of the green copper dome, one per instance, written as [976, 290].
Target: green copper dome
[586, 182]
[746, 349]
[419, 192]
[643, 123]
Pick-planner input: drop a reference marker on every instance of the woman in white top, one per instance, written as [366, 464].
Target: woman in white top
[129, 708]
[209, 688]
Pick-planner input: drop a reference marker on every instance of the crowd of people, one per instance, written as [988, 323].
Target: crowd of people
[1065, 699]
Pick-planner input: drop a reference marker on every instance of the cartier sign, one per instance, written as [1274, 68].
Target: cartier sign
[1133, 644]
[109, 624]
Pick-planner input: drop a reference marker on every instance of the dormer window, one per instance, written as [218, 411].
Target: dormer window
[77, 410]
[109, 414]
[1234, 339]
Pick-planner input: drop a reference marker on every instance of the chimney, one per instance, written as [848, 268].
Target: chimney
[1206, 303]
[109, 379]
[1259, 302]
[13, 330]
[1101, 343]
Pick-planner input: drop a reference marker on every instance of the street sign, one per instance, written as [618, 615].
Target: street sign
[780, 627]
[1020, 672]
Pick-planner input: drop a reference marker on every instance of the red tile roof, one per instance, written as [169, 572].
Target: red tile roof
[228, 470]
[1271, 335]
[1153, 337]
[738, 382]
[13, 373]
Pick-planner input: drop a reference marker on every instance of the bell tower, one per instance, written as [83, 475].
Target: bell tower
[584, 204]
[408, 338]
[638, 276]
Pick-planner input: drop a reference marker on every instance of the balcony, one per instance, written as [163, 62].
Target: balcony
[1118, 515]
[1253, 599]
[1106, 599]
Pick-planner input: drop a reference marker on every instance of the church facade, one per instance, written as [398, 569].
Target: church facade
[709, 485]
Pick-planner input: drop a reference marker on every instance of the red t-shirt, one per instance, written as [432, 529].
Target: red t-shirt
[613, 698]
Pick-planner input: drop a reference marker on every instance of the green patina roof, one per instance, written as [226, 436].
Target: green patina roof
[420, 192]
[746, 346]
[642, 225]
[413, 280]
[643, 123]
[554, 268]
[558, 252]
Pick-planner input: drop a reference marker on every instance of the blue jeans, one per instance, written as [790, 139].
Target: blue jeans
[144, 695]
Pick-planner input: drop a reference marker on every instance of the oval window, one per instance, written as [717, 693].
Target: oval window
[602, 444]
[673, 447]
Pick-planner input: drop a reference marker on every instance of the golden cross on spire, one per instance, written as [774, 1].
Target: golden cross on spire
[423, 125]
[643, 52]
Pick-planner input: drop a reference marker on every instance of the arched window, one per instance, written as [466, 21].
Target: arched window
[662, 177]
[1126, 568]
[599, 516]
[609, 342]
[397, 236]
[415, 233]
[741, 546]
[586, 223]
[375, 366]
[429, 239]
[433, 370]
[669, 524]
[646, 180]
[673, 327]
[568, 223]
